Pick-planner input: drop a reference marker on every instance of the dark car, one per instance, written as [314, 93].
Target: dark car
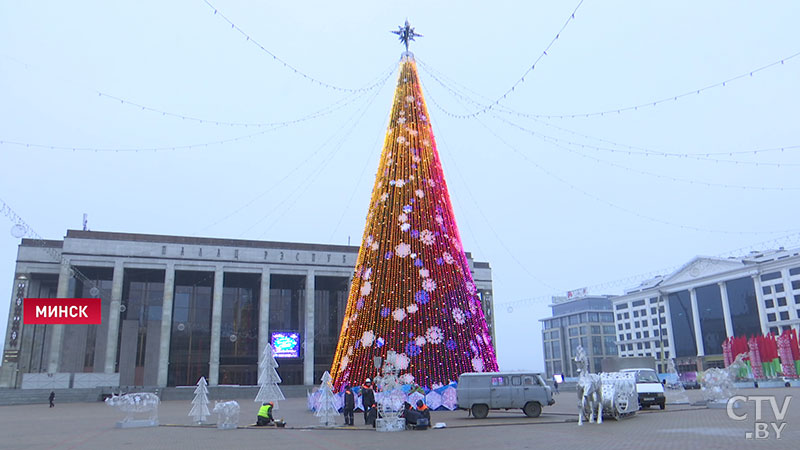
[690, 384]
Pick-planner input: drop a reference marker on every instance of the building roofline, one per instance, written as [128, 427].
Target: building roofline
[46, 243]
[192, 240]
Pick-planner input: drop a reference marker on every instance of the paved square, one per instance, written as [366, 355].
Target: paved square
[91, 426]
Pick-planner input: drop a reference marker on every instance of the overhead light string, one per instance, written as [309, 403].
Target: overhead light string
[623, 148]
[530, 69]
[284, 63]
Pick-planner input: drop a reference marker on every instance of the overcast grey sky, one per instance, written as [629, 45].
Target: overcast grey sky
[545, 200]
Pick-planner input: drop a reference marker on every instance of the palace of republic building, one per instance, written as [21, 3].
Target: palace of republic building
[175, 308]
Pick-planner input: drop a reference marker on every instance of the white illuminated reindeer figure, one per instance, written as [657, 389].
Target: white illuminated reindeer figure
[590, 402]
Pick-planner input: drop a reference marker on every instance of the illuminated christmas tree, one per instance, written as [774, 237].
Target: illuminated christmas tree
[412, 291]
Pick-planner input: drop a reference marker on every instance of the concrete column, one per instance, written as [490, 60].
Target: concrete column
[57, 331]
[263, 313]
[787, 289]
[308, 342]
[698, 333]
[166, 324]
[113, 318]
[762, 315]
[726, 309]
[216, 322]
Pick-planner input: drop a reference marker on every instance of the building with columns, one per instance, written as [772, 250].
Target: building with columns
[176, 308]
[688, 314]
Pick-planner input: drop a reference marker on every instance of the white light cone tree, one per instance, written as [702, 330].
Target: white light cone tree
[200, 402]
[268, 379]
[327, 410]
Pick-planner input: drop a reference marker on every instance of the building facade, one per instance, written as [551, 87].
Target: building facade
[176, 308]
[688, 314]
[585, 320]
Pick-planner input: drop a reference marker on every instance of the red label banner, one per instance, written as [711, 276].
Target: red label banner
[61, 311]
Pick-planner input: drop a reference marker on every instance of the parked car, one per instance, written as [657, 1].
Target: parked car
[480, 392]
[650, 389]
[690, 384]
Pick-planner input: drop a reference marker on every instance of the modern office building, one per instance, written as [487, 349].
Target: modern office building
[688, 314]
[578, 319]
[175, 308]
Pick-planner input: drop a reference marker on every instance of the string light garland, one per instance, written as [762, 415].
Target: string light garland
[793, 239]
[316, 114]
[290, 199]
[203, 145]
[27, 231]
[284, 63]
[623, 148]
[555, 143]
[561, 180]
[521, 79]
[412, 290]
[620, 110]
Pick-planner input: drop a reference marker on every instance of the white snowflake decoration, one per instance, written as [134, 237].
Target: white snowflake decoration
[368, 338]
[419, 192]
[471, 289]
[420, 341]
[399, 183]
[439, 219]
[384, 196]
[350, 351]
[343, 363]
[458, 315]
[374, 246]
[401, 139]
[367, 273]
[399, 314]
[366, 288]
[402, 249]
[434, 335]
[448, 258]
[429, 285]
[405, 226]
[412, 308]
[426, 142]
[402, 218]
[407, 378]
[402, 361]
[424, 273]
[410, 98]
[477, 364]
[426, 236]
[401, 120]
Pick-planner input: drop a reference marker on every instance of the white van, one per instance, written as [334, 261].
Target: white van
[480, 392]
[650, 389]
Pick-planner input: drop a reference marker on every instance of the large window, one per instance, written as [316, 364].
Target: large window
[190, 342]
[680, 308]
[238, 342]
[287, 313]
[83, 347]
[330, 302]
[140, 327]
[712, 321]
[743, 306]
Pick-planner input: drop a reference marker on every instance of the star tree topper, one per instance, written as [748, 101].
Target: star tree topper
[406, 33]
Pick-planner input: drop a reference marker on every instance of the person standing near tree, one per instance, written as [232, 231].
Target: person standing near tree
[367, 397]
[52, 398]
[349, 405]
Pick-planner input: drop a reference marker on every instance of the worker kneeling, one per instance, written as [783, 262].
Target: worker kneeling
[265, 415]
